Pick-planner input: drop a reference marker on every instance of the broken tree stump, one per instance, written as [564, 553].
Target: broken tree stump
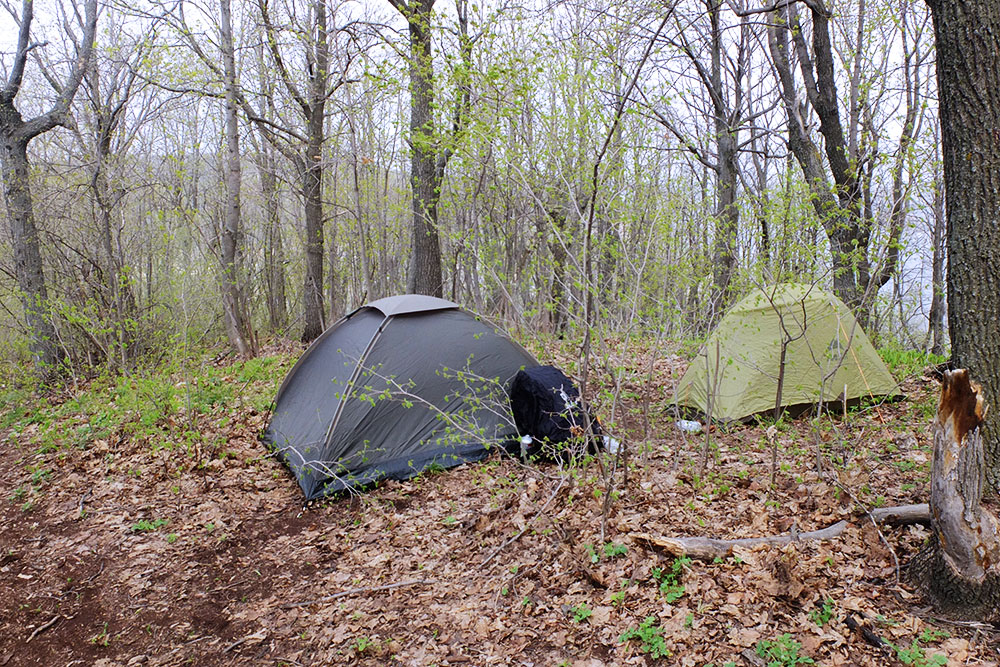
[959, 567]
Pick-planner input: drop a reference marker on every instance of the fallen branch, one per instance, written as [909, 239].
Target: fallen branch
[42, 628]
[707, 548]
[356, 591]
[902, 515]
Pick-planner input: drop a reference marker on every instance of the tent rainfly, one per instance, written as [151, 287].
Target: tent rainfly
[826, 356]
[399, 385]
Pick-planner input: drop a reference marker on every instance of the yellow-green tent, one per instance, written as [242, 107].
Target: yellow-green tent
[826, 355]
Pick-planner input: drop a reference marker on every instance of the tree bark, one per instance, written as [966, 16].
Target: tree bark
[27, 249]
[968, 69]
[959, 568]
[321, 84]
[108, 96]
[318, 58]
[726, 121]
[935, 326]
[425, 276]
[15, 134]
[234, 307]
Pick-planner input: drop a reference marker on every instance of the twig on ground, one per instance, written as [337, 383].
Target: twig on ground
[83, 499]
[228, 586]
[527, 524]
[95, 575]
[355, 591]
[260, 636]
[45, 626]
[978, 626]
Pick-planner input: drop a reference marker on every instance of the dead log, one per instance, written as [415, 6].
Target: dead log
[708, 548]
[903, 515]
[959, 568]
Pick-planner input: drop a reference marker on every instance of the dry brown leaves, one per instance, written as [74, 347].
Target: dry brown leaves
[232, 551]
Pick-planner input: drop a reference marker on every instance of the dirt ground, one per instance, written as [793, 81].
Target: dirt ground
[131, 555]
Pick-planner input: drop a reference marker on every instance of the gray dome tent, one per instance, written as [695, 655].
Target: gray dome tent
[397, 386]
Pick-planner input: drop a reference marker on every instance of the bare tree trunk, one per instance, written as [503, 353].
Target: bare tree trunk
[120, 302]
[425, 276]
[312, 190]
[237, 320]
[309, 158]
[968, 69]
[15, 134]
[839, 197]
[559, 314]
[27, 249]
[727, 215]
[274, 252]
[960, 566]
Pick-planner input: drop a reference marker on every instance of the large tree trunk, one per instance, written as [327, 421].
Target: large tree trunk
[968, 66]
[318, 59]
[425, 275]
[960, 566]
[27, 249]
[15, 133]
[727, 214]
[312, 190]
[935, 327]
[234, 307]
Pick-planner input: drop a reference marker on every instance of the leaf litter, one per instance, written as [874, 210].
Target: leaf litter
[131, 553]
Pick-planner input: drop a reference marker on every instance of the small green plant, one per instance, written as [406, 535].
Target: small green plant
[916, 656]
[362, 643]
[612, 550]
[619, 597]
[102, 638]
[145, 525]
[933, 634]
[171, 538]
[822, 615]
[650, 637]
[581, 612]
[670, 579]
[782, 652]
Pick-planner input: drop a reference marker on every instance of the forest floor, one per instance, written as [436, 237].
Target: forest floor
[142, 522]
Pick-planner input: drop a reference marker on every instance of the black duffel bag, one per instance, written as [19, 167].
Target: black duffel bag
[549, 417]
